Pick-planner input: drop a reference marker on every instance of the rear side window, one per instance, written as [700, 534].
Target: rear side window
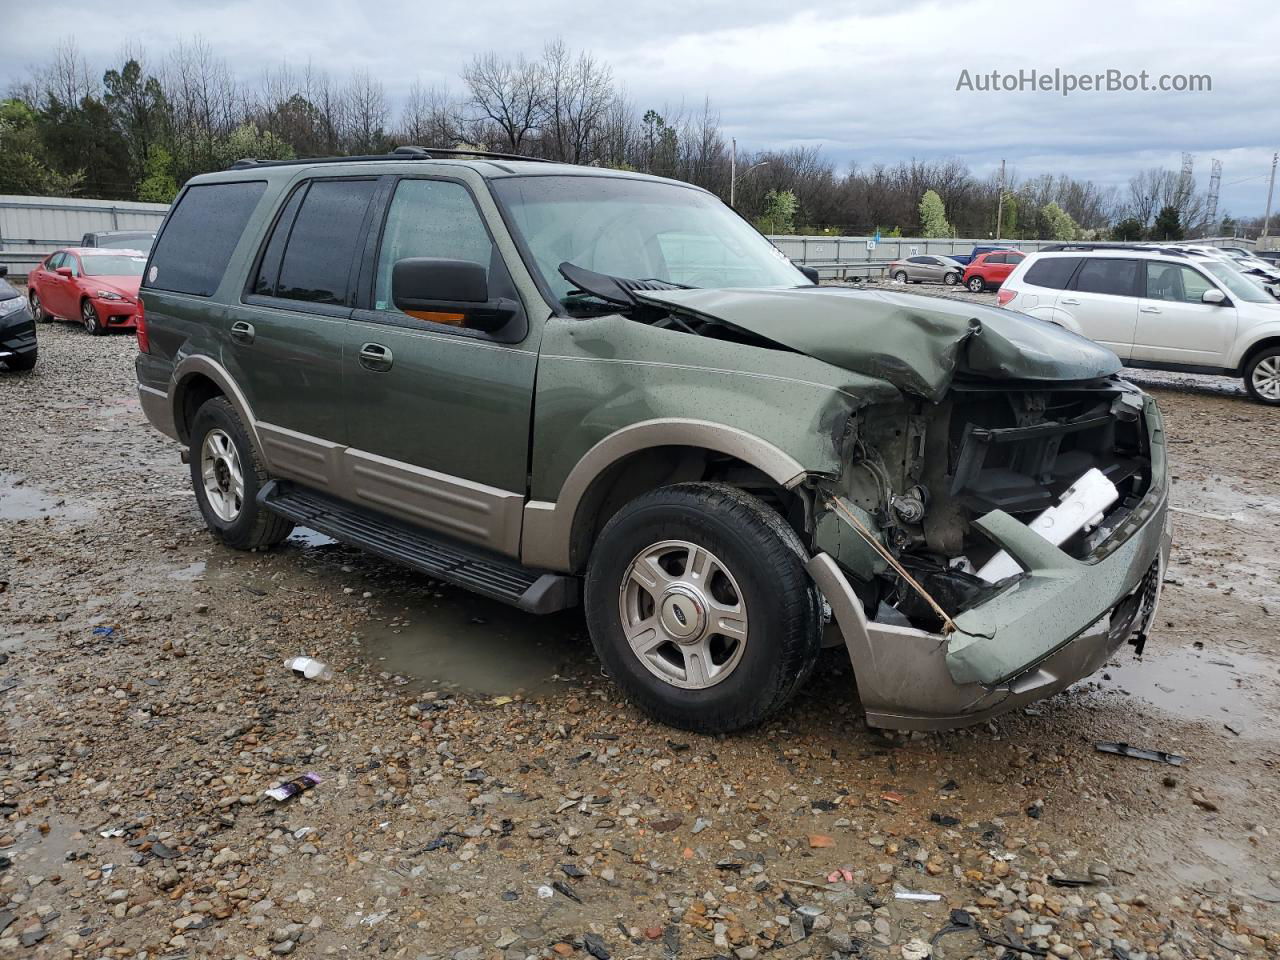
[1117, 277]
[1052, 272]
[193, 251]
[320, 256]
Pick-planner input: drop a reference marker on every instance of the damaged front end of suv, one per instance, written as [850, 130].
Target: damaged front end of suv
[985, 500]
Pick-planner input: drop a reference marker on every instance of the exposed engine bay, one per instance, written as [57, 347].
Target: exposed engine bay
[923, 475]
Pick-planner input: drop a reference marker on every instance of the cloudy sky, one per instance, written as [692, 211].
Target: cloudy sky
[869, 81]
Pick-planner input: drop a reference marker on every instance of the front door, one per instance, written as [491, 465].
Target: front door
[1103, 301]
[439, 415]
[1175, 325]
[285, 344]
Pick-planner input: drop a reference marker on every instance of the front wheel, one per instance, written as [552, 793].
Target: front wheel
[976, 285]
[1262, 376]
[951, 279]
[89, 316]
[227, 475]
[26, 361]
[900, 276]
[699, 606]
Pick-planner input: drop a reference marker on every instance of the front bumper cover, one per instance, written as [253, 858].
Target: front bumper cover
[1055, 625]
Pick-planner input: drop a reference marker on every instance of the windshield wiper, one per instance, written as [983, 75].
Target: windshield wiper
[616, 290]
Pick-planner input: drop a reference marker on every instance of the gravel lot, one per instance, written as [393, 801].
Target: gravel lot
[486, 794]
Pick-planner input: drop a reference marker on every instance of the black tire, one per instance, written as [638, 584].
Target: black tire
[25, 362]
[1269, 359]
[976, 284]
[37, 308]
[766, 558]
[89, 317]
[253, 528]
[951, 279]
[900, 276]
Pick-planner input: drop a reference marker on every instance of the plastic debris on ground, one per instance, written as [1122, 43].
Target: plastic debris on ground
[294, 787]
[1139, 753]
[916, 895]
[309, 668]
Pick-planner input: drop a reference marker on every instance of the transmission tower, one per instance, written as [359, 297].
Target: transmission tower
[1215, 180]
[1185, 180]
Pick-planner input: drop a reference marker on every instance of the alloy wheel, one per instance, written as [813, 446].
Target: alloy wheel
[90, 317]
[1266, 377]
[33, 302]
[223, 477]
[683, 614]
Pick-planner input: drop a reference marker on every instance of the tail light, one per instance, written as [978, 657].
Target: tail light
[140, 322]
[1005, 296]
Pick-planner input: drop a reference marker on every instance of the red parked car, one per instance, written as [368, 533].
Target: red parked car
[97, 286]
[988, 270]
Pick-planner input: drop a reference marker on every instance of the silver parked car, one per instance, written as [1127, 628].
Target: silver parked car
[926, 268]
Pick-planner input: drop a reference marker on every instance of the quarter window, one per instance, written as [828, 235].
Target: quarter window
[1175, 281]
[430, 218]
[321, 251]
[195, 247]
[1051, 272]
[1105, 275]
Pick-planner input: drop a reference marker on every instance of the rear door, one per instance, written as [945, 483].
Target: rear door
[1102, 300]
[286, 343]
[1175, 325]
[1005, 265]
[49, 286]
[439, 415]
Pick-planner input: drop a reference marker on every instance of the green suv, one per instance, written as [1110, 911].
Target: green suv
[559, 385]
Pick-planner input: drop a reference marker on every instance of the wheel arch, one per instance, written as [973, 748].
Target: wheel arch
[637, 459]
[1254, 349]
[198, 378]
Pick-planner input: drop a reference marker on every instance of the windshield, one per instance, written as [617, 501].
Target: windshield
[113, 265]
[639, 230]
[1239, 285]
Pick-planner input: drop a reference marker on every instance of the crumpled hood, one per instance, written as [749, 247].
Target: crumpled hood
[917, 343]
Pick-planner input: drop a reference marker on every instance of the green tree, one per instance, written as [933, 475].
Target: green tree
[1168, 225]
[933, 216]
[1009, 216]
[137, 103]
[83, 140]
[159, 185]
[1056, 223]
[247, 140]
[779, 216]
[1130, 228]
[1229, 225]
[23, 164]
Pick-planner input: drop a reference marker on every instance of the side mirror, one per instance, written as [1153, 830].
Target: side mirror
[64, 272]
[455, 292]
[809, 272]
[1214, 296]
[4, 271]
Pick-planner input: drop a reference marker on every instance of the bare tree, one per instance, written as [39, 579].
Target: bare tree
[430, 117]
[365, 103]
[509, 94]
[67, 77]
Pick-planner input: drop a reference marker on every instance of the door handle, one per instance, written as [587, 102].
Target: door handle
[1148, 309]
[1070, 301]
[242, 332]
[376, 357]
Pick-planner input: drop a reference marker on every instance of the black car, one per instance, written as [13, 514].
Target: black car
[17, 328]
[120, 239]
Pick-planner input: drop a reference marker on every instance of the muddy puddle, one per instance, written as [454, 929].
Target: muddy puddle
[1233, 692]
[19, 500]
[1225, 500]
[480, 647]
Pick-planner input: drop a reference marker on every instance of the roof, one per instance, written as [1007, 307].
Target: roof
[101, 251]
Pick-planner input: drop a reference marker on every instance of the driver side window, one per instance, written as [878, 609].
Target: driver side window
[429, 218]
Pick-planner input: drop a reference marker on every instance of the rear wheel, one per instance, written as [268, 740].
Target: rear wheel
[1262, 376]
[700, 607]
[37, 308]
[976, 285]
[89, 317]
[227, 474]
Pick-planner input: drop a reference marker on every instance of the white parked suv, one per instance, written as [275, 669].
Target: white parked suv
[1161, 308]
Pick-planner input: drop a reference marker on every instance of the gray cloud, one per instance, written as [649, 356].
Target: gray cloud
[870, 82]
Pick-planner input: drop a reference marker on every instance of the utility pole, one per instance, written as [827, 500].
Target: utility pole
[1266, 221]
[1000, 204]
[733, 168]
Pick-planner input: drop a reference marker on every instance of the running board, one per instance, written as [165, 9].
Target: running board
[479, 571]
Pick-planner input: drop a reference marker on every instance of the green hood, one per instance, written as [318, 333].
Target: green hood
[917, 343]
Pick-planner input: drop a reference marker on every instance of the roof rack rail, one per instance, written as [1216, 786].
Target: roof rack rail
[1086, 247]
[407, 152]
